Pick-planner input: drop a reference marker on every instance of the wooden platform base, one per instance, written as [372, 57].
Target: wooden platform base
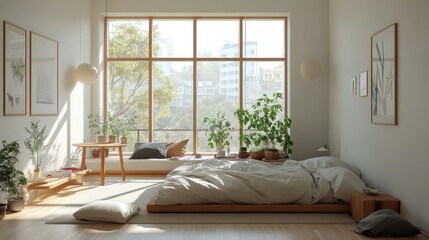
[151, 207]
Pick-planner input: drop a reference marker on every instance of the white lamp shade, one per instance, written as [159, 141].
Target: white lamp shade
[86, 73]
[310, 69]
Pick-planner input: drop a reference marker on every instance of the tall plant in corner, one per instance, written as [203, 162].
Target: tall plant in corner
[36, 144]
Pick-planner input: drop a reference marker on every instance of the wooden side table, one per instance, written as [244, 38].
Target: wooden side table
[363, 204]
[102, 146]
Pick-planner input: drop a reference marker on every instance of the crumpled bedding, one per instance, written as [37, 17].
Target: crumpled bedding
[244, 182]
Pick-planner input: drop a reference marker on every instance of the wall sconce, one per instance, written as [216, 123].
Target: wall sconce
[310, 69]
[86, 73]
[324, 148]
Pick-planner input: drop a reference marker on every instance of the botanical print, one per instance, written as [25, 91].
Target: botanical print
[383, 92]
[14, 70]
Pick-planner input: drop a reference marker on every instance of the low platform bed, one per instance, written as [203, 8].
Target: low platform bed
[321, 185]
[151, 207]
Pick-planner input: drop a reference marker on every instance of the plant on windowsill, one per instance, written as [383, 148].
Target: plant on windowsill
[266, 125]
[36, 144]
[113, 128]
[99, 126]
[219, 131]
[126, 122]
[12, 180]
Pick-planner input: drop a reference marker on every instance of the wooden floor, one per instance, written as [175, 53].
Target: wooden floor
[30, 224]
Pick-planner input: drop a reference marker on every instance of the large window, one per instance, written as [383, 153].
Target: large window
[174, 71]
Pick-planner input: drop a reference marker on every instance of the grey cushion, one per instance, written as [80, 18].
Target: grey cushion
[107, 211]
[149, 150]
[386, 223]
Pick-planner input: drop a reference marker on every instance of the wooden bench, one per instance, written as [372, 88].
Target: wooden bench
[51, 182]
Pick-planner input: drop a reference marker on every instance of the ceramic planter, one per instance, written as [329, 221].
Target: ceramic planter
[271, 154]
[2, 210]
[15, 204]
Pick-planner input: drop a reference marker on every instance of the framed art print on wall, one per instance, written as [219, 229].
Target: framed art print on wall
[384, 74]
[44, 75]
[14, 70]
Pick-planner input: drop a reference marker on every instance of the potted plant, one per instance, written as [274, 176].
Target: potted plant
[113, 128]
[36, 144]
[266, 125]
[99, 126]
[126, 122]
[11, 179]
[219, 131]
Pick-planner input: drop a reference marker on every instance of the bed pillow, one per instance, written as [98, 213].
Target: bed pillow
[176, 149]
[313, 164]
[107, 211]
[149, 150]
[343, 182]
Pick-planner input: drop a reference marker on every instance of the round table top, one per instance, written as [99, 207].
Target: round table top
[97, 144]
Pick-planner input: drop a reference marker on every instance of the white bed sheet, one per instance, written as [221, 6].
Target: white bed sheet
[243, 182]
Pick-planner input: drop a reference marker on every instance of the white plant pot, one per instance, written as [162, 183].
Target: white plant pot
[221, 153]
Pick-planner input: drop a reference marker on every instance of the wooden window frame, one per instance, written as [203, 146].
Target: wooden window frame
[194, 59]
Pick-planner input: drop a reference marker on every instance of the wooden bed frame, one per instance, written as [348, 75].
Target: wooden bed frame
[151, 207]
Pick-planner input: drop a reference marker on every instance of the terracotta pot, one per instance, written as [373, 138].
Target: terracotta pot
[271, 154]
[112, 139]
[256, 155]
[95, 153]
[15, 204]
[101, 139]
[124, 140]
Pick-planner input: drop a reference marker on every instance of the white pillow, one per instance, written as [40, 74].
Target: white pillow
[107, 211]
[313, 164]
[343, 182]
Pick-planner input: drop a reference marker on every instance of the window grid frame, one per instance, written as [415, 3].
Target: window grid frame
[194, 60]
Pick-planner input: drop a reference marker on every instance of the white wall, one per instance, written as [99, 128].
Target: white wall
[392, 158]
[308, 40]
[59, 20]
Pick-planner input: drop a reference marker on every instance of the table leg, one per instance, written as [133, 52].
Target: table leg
[82, 164]
[121, 159]
[102, 167]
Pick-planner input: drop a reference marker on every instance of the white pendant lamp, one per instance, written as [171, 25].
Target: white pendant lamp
[86, 73]
[310, 69]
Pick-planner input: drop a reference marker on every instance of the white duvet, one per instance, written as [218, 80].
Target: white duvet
[245, 182]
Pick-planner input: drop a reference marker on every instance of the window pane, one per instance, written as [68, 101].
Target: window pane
[173, 99]
[217, 90]
[128, 91]
[128, 38]
[268, 35]
[172, 38]
[262, 77]
[213, 35]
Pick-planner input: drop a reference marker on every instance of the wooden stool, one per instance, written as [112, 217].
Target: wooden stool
[364, 204]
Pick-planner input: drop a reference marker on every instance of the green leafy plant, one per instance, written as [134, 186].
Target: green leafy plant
[11, 179]
[127, 122]
[265, 124]
[36, 143]
[97, 124]
[219, 130]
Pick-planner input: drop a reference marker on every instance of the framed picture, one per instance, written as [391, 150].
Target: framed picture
[14, 70]
[353, 85]
[363, 82]
[384, 74]
[44, 75]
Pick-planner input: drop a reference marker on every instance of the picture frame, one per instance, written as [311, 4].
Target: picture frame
[363, 84]
[384, 76]
[43, 76]
[14, 70]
